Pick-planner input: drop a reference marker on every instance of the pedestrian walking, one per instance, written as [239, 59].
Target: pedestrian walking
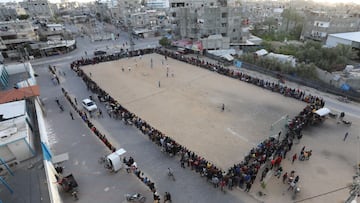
[159, 83]
[223, 107]
[285, 177]
[90, 74]
[61, 108]
[71, 115]
[57, 101]
[294, 158]
[75, 101]
[346, 135]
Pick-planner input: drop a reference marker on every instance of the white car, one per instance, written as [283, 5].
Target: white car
[89, 105]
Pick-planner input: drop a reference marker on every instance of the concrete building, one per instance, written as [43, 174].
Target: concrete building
[157, 3]
[16, 132]
[14, 36]
[196, 19]
[37, 8]
[23, 137]
[349, 38]
[319, 24]
[140, 20]
[7, 12]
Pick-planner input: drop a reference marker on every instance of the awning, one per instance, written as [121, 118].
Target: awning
[323, 111]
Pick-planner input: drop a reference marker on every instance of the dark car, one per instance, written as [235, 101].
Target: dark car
[98, 53]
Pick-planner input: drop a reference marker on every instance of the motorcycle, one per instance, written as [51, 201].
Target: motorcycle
[296, 191]
[137, 197]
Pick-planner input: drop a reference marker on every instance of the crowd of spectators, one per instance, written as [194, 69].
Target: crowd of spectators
[268, 153]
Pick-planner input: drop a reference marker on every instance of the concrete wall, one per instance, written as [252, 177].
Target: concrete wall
[20, 149]
[223, 43]
[49, 167]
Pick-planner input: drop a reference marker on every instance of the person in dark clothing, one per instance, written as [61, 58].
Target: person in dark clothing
[167, 197]
[248, 187]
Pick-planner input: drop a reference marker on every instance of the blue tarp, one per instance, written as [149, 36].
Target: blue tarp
[345, 87]
[237, 64]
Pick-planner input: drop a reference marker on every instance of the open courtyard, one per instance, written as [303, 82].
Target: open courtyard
[185, 102]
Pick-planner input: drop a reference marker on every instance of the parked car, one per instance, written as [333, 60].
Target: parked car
[89, 105]
[99, 53]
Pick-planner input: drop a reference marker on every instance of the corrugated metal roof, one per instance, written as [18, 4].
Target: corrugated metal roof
[353, 36]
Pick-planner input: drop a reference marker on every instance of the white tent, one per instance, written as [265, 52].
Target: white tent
[261, 52]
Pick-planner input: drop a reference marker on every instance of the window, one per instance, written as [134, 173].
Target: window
[224, 15]
[223, 24]
[212, 4]
[234, 30]
[174, 14]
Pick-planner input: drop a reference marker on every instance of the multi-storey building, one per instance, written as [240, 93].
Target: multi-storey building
[14, 36]
[141, 20]
[37, 8]
[7, 12]
[199, 19]
[318, 24]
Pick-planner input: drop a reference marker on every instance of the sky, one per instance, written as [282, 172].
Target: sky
[322, 1]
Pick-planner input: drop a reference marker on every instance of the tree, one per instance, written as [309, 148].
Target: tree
[23, 17]
[271, 22]
[165, 42]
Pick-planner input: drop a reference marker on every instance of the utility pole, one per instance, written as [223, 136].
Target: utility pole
[130, 28]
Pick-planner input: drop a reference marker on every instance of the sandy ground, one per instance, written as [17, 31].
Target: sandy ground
[187, 105]
[331, 166]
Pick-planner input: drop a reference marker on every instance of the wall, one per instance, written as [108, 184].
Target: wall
[48, 166]
[6, 154]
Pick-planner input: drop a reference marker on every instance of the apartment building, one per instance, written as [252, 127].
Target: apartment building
[37, 8]
[319, 24]
[199, 19]
[7, 12]
[14, 37]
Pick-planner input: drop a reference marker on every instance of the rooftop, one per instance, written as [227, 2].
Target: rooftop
[13, 130]
[12, 109]
[353, 36]
[19, 94]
